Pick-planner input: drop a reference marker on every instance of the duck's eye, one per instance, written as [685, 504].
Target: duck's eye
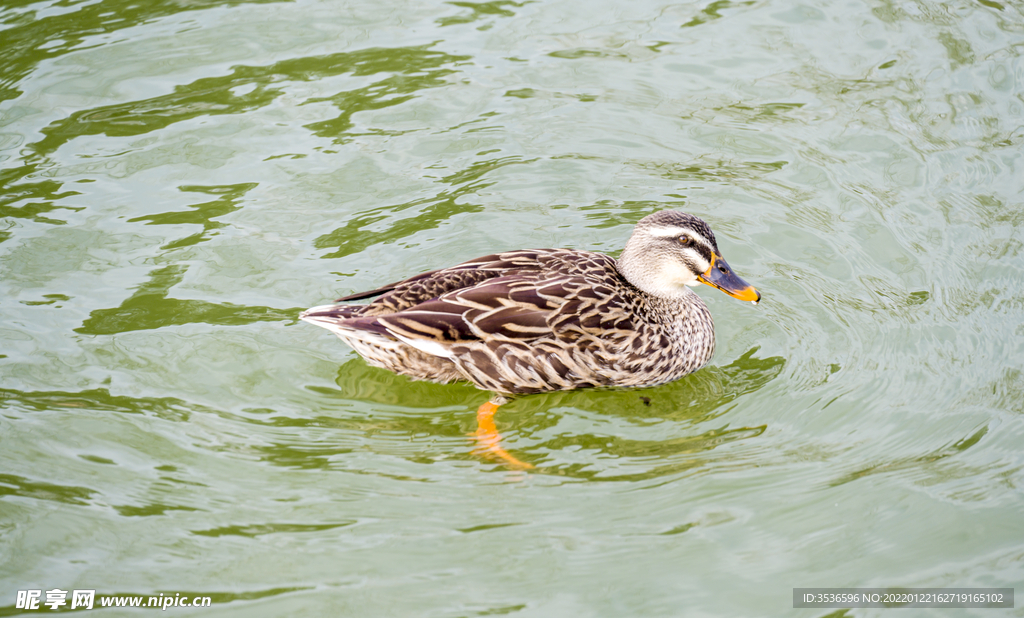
[685, 241]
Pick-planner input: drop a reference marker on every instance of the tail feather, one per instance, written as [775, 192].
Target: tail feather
[331, 312]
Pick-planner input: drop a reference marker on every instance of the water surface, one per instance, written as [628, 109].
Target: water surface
[179, 180]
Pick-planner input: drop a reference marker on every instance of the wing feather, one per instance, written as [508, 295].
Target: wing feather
[518, 296]
[426, 286]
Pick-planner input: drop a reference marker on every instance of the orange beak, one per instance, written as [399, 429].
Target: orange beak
[721, 276]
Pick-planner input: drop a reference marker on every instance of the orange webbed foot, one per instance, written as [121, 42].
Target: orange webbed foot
[489, 440]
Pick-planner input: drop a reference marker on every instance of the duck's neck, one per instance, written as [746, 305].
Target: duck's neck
[657, 275]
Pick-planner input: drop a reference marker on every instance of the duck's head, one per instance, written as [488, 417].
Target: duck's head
[670, 250]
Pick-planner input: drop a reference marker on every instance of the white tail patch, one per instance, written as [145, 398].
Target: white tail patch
[317, 309]
[426, 346]
[359, 340]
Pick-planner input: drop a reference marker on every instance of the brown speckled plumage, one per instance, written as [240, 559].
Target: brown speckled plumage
[539, 320]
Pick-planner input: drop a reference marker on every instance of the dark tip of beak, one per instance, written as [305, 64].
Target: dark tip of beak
[721, 276]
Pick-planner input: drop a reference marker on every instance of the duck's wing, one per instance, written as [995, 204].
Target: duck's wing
[557, 300]
[424, 287]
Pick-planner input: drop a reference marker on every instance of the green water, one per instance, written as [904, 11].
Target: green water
[180, 179]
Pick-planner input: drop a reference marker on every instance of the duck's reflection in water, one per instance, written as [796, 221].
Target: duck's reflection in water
[698, 398]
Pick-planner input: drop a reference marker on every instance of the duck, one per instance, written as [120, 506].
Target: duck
[530, 321]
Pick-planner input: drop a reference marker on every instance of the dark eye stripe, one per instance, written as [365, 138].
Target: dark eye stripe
[703, 250]
[691, 239]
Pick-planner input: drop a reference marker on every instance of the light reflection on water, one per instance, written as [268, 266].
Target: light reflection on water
[179, 180]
